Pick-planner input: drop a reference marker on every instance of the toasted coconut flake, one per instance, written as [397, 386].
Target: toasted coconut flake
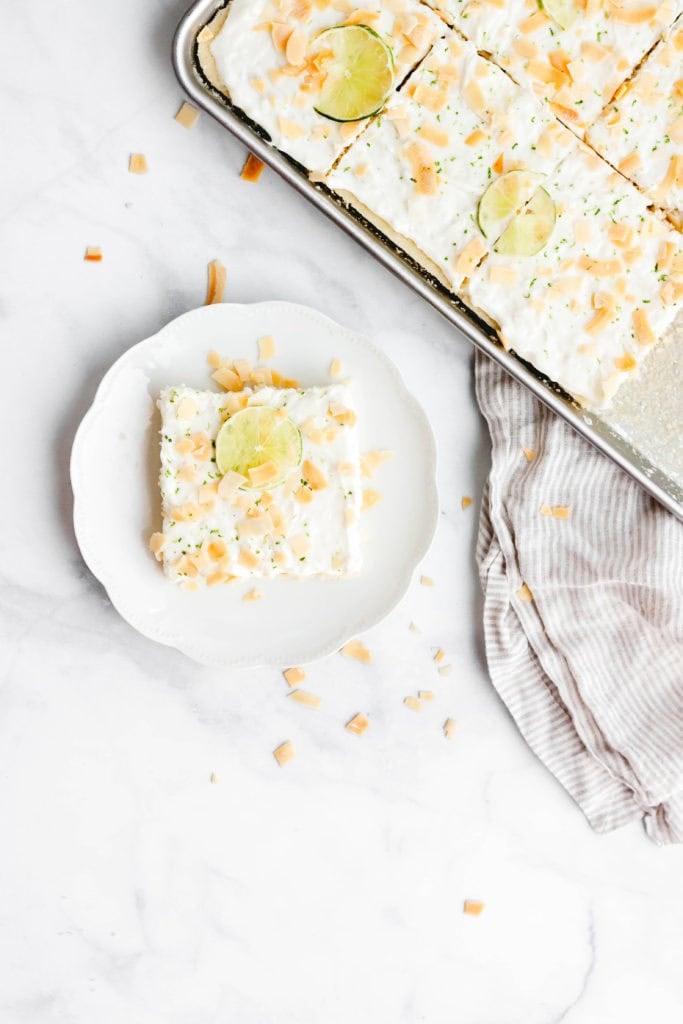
[137, 163]
[524, 593]
[444, 670]
[344, 417]
[300, 545]
[465, 502]
[156, 545]
[561, 511]
[414, 628]
[264, 474]
[188, 513]
[414, 703]
[248, 559]
[472, 907]
[642, 329]
[214, 360]
[93, 254]
[213, 778]
[207, 493]
[216, 286]
[295, 50]
[626, 362]
[187, 115]
[371, 461]
[253, 169]
[252, 595]
[449, 728]
[313, 476]
[439, 655]
[284, 753]
[370, 499]
[426, 581]
[304, 495]
[229, 484]
[425, 694]
[336, 368]
[529, 454]
[189, 585]
[355, 649]
[243, 369]
[184, 446]
[266, 348]
[309, 700]
[294, 676]
[358, 724]
[546, 510]
[186, 409]
[468, 258]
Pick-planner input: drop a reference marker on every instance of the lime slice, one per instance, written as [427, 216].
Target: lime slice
[528, 232]
[258, 436]
[563, 12]
[358, 70]
[504, 197]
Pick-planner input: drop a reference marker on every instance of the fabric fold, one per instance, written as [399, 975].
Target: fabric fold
[589, 658]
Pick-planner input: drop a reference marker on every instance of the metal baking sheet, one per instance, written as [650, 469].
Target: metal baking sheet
[643, 431]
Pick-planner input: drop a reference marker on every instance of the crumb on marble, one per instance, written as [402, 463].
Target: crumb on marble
[284, 753]
[524, 593]
[93, 254]
[465, 502]
[137, 163]
[253, 169]
[309, 700]
[425, 694]
[213, 778]
[355, 649]
[187, 115]
[216, 285]
[294, 676]
[529, 454]
[414, 703]
[449, 728]
[472, 907]
[426, 581]
[358, 724]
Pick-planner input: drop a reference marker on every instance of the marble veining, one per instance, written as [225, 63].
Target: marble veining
[132, 888]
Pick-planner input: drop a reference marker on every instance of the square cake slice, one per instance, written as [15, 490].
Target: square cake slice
[641, 130]
[217, 527]
[262, 54]
[586, 309]
[420, 170]
[574, 54]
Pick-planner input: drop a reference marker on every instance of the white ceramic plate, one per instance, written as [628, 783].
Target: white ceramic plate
[115, 465]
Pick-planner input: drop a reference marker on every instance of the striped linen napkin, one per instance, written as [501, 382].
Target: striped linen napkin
[583, 616]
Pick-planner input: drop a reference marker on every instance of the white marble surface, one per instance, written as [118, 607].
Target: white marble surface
[131, 888]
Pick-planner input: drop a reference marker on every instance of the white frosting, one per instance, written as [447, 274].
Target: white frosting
[378, 170]
[334, 543]
[246, 56]
[545, 323]
[498, 30]
[647, 120]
